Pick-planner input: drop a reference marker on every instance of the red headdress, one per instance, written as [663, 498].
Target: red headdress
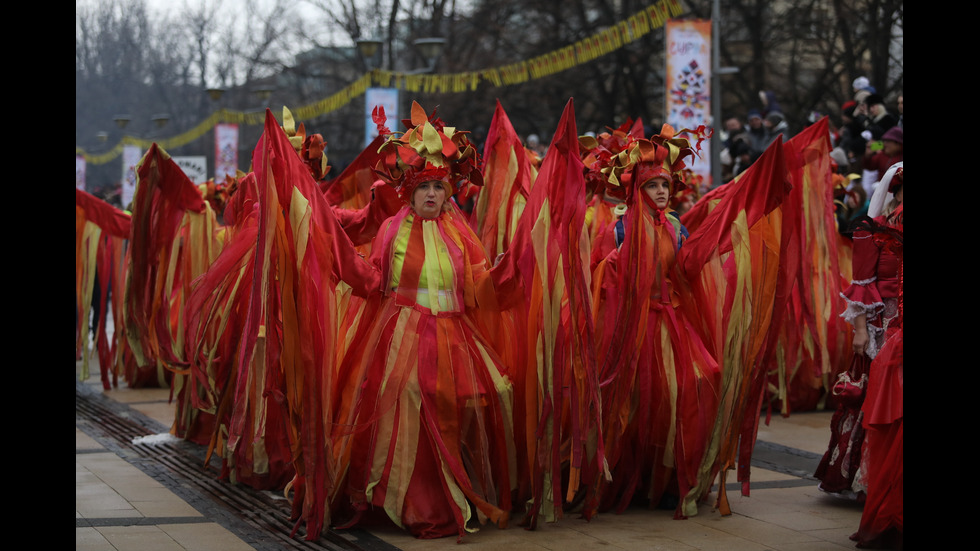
[662, 156]
[690, 186]
[427, 151]
[897, 179]
[311, 148]
[597, 151]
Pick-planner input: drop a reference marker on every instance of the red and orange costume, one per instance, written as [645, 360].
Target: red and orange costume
[423, 407]
[658, 380]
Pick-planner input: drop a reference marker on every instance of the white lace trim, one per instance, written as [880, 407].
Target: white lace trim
[864, 281]
[855, 309]
[876, 336]
[860, 482]
[876, 332]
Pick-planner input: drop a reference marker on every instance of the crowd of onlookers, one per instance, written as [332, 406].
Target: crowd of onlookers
[868, 140]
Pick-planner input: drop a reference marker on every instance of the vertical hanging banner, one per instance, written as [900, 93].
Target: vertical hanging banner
[130, 158]
[688, 93]
[225, 151]
[80, 172]
[387, 98]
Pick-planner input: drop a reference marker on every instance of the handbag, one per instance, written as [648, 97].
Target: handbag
[850, 392]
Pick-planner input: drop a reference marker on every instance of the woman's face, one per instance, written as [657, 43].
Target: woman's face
[898, 194]
[428, 198]
[891, 148]
[658, 190]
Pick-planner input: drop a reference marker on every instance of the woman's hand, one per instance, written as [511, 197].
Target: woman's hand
[860, 341]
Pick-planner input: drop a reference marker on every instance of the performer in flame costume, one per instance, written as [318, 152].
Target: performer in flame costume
[423, 418]
[658, 380]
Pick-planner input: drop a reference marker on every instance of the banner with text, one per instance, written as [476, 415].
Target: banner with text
[194, 166]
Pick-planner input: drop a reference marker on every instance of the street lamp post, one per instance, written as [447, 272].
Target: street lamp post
[716, 72]
[369, 49]
[431, 50]
[160, 120]
[372, 50]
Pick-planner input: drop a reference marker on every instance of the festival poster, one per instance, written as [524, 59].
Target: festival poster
[387, 98]
[131, 155]
[225, 151]
[80, 172]
[688, 44]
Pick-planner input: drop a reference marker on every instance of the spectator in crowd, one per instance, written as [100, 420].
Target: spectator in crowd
[875, 116]
[742, 157]
[769, 103]
[535, 145]
[851, 143]
[735, 132]
[758, 134]
[881, 155]
[775, 124]
[901, 111]
[862, 84]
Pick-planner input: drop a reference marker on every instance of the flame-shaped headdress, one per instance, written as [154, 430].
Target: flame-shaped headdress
[311, 148]
[689, 186]
[597, 151]
[427, 151]
[663, 155]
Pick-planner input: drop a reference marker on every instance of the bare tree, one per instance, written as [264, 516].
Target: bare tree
[806, 51]
[130, 60]
[127, 60]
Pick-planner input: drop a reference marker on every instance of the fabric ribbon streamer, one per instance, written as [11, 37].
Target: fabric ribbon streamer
[732, 262]
[100, 232]
[174, 240]
[551, 250]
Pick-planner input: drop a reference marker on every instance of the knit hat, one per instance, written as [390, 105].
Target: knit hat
[775, 117]
[893, 134]
[839, 156]
[874, 99]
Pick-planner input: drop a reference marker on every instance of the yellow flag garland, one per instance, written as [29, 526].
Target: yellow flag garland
[556, 61]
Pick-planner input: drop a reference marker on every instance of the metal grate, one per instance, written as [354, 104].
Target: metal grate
[259, 518]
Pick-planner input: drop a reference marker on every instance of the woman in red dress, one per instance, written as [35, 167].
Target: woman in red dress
[879, 252]
[872, 305]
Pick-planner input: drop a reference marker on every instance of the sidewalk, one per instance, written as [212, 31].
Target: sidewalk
[118, 506]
